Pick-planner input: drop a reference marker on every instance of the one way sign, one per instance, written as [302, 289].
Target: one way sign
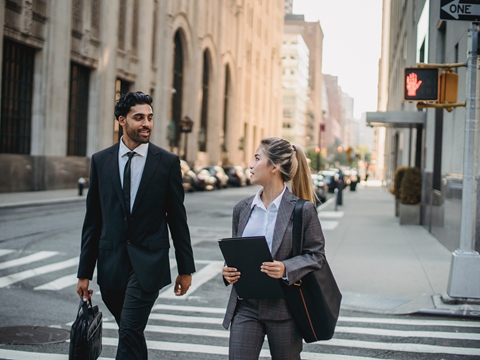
[468, 10]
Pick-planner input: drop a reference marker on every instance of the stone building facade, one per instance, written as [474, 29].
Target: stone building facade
[65, 63]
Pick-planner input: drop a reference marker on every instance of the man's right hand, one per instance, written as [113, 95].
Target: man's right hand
[82, 289]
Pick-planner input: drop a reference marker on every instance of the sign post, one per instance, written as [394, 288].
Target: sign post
[464, 279]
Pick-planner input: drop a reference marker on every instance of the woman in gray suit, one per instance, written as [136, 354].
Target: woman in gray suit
[270, 213]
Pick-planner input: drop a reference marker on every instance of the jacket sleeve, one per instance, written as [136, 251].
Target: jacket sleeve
[177, 221]
[313, 252]
[92, 227]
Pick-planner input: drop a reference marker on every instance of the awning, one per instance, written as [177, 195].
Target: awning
[396, 119]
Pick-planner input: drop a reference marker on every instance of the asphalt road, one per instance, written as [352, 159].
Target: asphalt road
[39, 247]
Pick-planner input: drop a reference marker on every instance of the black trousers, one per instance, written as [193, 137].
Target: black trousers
[131, 309]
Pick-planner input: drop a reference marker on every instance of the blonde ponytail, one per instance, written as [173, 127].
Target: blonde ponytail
[293, 166]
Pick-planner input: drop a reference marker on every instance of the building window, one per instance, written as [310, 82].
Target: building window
[78, 110]
[121, 24]
[177, 96]
[202, 133]
[226, 95]
[95, 18]
[121, 87]
[136, 6]
[77, 9]
[17, 89]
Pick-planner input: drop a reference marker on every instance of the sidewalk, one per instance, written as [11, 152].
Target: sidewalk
[380, 266]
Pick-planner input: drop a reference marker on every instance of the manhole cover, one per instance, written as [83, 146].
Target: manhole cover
[29, 335]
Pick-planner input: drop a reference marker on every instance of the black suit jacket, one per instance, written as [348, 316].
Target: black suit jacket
[114, 242]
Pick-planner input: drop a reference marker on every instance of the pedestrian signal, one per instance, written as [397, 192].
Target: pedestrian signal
[421, 84]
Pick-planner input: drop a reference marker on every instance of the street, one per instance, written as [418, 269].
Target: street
[39, 246]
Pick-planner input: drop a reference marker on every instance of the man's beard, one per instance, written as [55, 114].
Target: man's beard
[135, 135]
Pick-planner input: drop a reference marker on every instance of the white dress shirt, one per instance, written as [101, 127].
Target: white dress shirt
[136, 165]
[262, 220]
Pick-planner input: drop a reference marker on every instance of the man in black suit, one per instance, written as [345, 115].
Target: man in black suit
[135, 191]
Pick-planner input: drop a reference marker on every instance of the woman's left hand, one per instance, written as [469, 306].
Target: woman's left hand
[275, 269]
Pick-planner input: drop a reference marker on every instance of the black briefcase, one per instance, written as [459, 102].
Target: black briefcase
[86, 333]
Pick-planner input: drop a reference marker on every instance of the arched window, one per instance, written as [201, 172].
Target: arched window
[177, 89]
[203, 130]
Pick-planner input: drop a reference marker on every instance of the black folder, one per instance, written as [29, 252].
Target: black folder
[247, 255]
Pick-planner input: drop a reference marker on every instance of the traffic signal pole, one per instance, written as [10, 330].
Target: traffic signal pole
[464, 279]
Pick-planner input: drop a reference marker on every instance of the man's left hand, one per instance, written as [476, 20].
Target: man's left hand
[182, 284]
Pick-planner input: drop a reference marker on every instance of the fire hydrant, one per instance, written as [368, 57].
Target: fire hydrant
[81, 184]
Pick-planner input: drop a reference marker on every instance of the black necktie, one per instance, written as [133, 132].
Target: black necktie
[127, 180]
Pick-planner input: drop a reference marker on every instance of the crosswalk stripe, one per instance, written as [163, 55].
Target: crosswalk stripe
[41, 255]
[189, 308]
[62, 283]
[205, 274]
[16, 277]
[25, 355]
[185, 319]
[178, 330]
[6, 251]
[411, 322]
[408, 333]
[404, 347]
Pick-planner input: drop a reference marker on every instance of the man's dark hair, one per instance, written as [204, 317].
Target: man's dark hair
[130, 99]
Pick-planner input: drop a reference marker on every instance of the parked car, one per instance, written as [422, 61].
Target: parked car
[320, 186]
[219, 174]
[188, 176]
[236, 176]
[329, 178]
[205, 181]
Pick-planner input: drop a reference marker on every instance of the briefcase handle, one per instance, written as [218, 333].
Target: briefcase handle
[84, 307]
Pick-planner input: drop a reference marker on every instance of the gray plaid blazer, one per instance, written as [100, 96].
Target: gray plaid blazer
[312, 256]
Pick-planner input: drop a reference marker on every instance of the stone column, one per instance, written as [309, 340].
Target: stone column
[51, 84]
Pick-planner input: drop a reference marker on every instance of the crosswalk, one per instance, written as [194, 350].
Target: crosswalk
[184, 328]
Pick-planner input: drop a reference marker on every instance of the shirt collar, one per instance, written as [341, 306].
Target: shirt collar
[257, 201]
[139, 150]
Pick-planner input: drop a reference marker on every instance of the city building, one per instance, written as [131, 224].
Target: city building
[64, 65]
[430, 139]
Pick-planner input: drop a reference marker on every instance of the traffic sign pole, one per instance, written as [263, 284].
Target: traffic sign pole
[464, 279]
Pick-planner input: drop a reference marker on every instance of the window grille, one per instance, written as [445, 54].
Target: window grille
[78, 110]
[202, 135]
[16, 102]
[177, 96]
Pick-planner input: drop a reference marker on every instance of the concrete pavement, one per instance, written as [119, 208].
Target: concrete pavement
[380, 266]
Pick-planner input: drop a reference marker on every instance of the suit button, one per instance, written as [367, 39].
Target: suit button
[128, 242]
[125, 219]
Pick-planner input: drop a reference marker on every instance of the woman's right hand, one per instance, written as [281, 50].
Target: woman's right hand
[231, 275]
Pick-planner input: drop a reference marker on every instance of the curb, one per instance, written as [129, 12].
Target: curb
[41, 202]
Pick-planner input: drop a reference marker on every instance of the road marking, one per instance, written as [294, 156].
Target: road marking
[62, 283]
[409, 333]
[16, 277]
[186, 319]
[331, 214]
[410, 322]
[6, 251]
[329, 225]
[25, 355]
[41, 255]
[179, 330]
[189, 308]
[214, 268]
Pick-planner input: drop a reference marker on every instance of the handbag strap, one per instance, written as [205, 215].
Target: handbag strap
[297, 228]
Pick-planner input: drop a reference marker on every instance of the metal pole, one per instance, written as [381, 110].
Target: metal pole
[464, 280]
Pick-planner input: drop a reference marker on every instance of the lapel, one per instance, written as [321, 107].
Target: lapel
[112, 168]
[283, 218]
[151, 163]
[244, 215]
